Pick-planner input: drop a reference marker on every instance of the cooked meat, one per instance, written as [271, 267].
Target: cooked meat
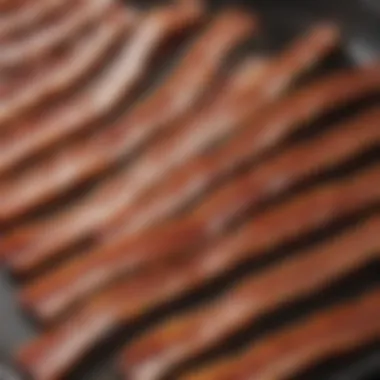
[28, 16]
[262, 183]
[241, 98]
[188, 335]
[192, 80]
[85, 55]
[90, 217]
[42, 42]
[190, 180]
[85, 275]
[339, 329]
[179, 187]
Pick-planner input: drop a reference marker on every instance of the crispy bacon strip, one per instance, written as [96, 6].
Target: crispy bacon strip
[288, 352]
[190, 180]
[16, 88]
[33, 246]
[86, 55]
[57, 350]
[85, 275]
[47, 301]
[176, 341]
[84, 162]
[142, 122]
[229, 110]
[189, 80]
[99, 98]
[244, 76]
[40, 44]
[29, 15]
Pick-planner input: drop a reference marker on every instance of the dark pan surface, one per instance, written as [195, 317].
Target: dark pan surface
[281, 20]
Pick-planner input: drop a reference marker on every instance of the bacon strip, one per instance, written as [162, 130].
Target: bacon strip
[176, 341]
[33, 246]
[139, 124]
[29, 15]
[47, 298]
[226, 114]
[189, 80]
[98, 99]
[15, 88]
[84, 162]
[190, 180]
[40, 44]
[285, 353]
[9, 6]
[86, 55]
[57, 350]
[86, 275]
[244, 76]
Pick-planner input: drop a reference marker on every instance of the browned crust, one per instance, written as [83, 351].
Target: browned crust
[285, 353]
[294, 278]
[275, 176]
[226, 115]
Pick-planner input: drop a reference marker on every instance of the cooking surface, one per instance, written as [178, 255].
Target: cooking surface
[281, 18]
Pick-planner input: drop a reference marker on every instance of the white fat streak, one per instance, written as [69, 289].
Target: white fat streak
[205, 129]
[155, 368]
[130, 62]
[220, 118]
